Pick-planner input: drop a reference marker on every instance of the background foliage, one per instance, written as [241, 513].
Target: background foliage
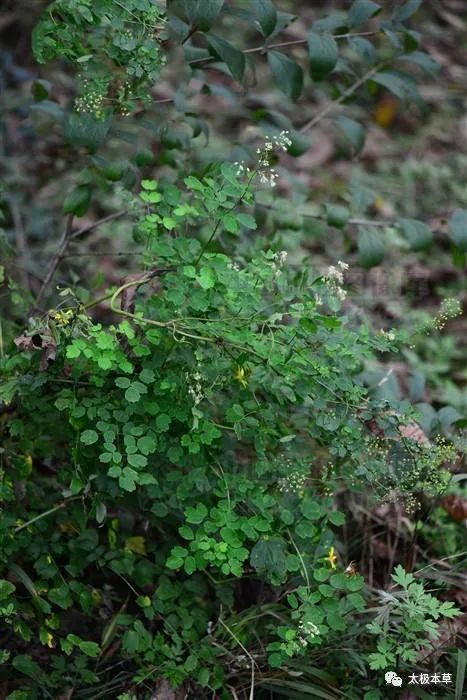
[231, 395]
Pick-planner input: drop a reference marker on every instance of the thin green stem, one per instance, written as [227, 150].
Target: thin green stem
[45, 514]
[218, 222]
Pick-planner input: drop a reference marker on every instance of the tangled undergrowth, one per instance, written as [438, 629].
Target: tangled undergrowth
[195, 456]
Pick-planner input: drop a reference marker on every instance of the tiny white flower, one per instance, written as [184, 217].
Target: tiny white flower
[334, 274]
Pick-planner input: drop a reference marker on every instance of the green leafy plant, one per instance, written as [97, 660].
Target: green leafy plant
[179, 448]
[115, 46]
[407, 622]
[222, 353]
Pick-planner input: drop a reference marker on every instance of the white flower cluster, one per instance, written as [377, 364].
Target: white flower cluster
[241, 661]
[388, 335]
[450, 308]
[278, 262]
[195, 387]
[306, 632]
[242, 169]
[125, 93]
[234, 266]
[334, 279]
[282, 141]
[90, 103]
[292, 483]
[267, 174]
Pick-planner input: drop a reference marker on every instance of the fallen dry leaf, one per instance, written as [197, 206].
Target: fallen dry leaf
[413, 431]
[455, 506]
[163, 691]
[38, 341]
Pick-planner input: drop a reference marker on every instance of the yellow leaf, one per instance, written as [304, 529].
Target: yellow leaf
[240, 376]
[386, 111]
[332, 557]
[136, 544]
[112, 536]
[96, 596]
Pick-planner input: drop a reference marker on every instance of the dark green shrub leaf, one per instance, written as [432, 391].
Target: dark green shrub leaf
[401, 85]
[330, 322]
[336, 518]
[311, 509]
[113, 172]
[323, 53]
[49, 107]
[287, 74]
[77, 202]
[89, 648]
[353, 132]
[362, 197]
[426, 417]
[203, 13]
[339, 581]
[333, 22]
[162, 422]
[122, 382]
[371, 247]
[361, 11]
[403, 12]
[308, 325]
[423, 60]
[358, 602]
[203, 676]
[354, 583]
[418, 234]
[24, 664]
[448, 415]
[144, 157]
[40, 90]
[189, 565]
[186, 532]
[128, 479]
[268, 556]
[458, 228]
[89, 437]
[6, 588]
[206, 277]
[337, 216]
[300, 143]
[137, 460]
[246, 220]
[321, 574]
[196, 515]
[411, 40]
[85, 130]
[364, 48]
[132, 395]
[232, 57]
[417, 386]
[284, 19]
[61, 596]
[266, 13]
